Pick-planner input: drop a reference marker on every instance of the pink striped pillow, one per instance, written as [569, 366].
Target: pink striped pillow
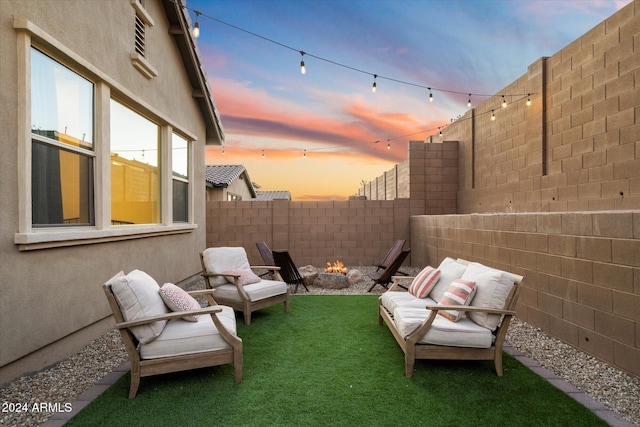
[460, 292]
[424, 282]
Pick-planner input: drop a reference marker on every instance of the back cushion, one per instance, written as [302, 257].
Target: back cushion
[450, 270]
[138, 296]
[492, 289]
[218, 260]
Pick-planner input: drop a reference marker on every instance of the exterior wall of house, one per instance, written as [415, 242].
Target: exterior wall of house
[52, 302]
[582, 271]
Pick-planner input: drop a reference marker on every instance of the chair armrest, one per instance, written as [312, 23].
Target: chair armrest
[219, 275]
[396, 282]
[265, 267]
[167, 316]
[470, 308]
[201, 292]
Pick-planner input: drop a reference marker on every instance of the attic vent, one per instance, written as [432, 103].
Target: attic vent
[140, 36]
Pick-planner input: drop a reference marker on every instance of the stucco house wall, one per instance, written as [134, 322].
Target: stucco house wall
[51, 300]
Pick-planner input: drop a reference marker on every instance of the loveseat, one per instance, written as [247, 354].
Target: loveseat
[459, 310]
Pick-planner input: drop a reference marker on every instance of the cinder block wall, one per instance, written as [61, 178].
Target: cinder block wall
[582, 271]
[356, 232]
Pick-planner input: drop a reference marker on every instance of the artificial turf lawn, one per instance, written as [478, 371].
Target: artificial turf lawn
[328, 362]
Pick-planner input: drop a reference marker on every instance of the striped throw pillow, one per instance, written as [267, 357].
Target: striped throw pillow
[424, 282]
[460, 292]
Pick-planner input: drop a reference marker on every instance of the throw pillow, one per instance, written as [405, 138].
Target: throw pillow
[460, 292]
[177, 299]
[424, 282]
[247, 277]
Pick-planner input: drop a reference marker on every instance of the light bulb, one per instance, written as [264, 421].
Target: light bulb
[388, 146]
[440, 133]
[430, 95]
[373, 88]
[528, 99]
[196, 27]
[504, 102]
[469, 101]
[305, 154]
[493, 116]
[303, 69]
[263, 154]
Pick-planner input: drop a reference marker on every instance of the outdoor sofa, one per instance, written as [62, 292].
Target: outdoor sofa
[459, 310]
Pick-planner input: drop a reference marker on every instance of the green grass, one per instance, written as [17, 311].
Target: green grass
[328, 362]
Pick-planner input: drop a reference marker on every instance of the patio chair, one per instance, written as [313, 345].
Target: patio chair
[227, 271]
[160, 341]
[267, 257]
[393, 252]
[384, 277]
[288, 269]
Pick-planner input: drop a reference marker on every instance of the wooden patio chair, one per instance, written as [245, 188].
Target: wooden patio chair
[384, 277]
[227, 270]
[288, 269]
[159, 341]
[267, 257]
[392, 254]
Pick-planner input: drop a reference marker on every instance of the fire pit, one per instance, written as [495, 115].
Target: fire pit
[336, 267]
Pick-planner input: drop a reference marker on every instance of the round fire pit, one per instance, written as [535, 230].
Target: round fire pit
[331, 281]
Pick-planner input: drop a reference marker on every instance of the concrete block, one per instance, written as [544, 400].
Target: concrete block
[626, 252]
[596, 297]
[579, 314]
[591, 248]
[564, 330]
[615, 327]
[626, 305]
[596, 344]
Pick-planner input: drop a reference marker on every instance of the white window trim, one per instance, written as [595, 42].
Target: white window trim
[29, 238]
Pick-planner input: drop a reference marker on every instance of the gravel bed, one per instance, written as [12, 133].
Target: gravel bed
[65, 381]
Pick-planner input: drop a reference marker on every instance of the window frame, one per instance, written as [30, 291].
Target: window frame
[27, 237]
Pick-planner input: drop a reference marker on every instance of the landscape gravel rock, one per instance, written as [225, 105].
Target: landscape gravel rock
[64, 382]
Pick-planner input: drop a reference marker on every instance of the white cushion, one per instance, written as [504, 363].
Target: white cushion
[394, 299]
[219, 260]
[450, 270]
[182, 337]
[492, 289]
[255, 291]
[463, 333]
[177, 299]
[138, 296]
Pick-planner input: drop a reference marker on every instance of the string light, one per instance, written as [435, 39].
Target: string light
[223, 150]
[304, 156]
[303, 69]
[528, 99]
[440, 132]
[493, 116]
[504, 102]
[469, 101]
[196, 26]
[388, 144]
[430, 95]
[373, 88]
[263, 154]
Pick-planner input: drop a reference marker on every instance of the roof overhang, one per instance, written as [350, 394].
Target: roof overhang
[180, 29]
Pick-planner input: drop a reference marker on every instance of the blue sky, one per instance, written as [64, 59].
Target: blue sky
[250, 49]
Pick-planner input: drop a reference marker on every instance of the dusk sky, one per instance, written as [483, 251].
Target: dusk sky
[252, 59]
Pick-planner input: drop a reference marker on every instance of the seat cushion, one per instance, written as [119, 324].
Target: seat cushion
[394, 299]
[219, 260]
[138, 296]
[182, 337]
[255, 291]
[492, 289]
[463, 333]
[450, 270]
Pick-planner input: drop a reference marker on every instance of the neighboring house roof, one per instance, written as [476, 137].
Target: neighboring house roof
[180, 28]
[222, 176]
[273, 195]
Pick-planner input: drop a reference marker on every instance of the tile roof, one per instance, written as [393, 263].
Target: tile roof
[273, 195]
[223, 175]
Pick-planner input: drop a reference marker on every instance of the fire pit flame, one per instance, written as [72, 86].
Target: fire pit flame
[336, 267]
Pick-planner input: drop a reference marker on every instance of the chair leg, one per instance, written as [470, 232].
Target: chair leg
[497, 361]
[135, 383]
[247, 317]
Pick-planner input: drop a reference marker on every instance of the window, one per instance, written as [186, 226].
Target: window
[62, 154]
[180, 166]
[233, 197]
[135, 176]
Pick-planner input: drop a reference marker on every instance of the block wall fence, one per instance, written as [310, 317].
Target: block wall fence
[550, 191]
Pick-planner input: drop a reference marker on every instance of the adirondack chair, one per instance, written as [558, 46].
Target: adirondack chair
[288, 269]
[384, 277]
[392, 254]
